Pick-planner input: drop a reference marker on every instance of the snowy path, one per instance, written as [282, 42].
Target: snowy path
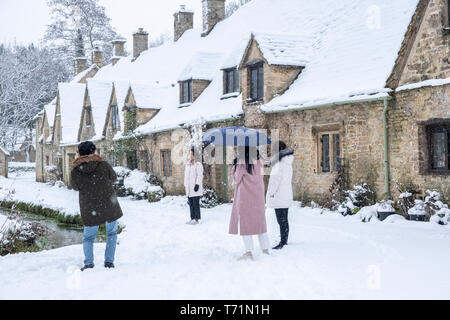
[159, 257]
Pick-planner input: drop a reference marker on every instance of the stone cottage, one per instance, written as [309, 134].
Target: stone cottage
[4, 159]
[359, 90]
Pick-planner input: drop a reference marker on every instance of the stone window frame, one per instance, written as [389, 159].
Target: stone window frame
[427, 130]
[259, 66]
[88, 116]
[331, 130]
[235, 87]
[115, 123]
[166, 165]
[186, 94]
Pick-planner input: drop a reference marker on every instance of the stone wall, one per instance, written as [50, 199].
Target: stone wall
[408, 144]
[3, 164]
[153, 145]
[430, 53]
[361, 129]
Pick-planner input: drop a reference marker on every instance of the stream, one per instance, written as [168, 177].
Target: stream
[57, 235]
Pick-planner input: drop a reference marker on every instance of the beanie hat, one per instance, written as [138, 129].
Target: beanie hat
[86, 148]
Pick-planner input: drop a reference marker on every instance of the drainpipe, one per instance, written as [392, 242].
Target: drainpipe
[387, 188]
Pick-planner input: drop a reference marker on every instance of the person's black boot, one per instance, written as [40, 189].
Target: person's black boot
[88, 266]
[109, 265]
[280, 246]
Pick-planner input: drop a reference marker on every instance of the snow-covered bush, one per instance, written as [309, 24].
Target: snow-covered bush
[139, 184]
[21, 167]
[361, 196]
[53, 174]
[441, 217]
[121, 173]
[16, 235]
[155, 193]
[432, 208]
[408, 192]
[210, 198]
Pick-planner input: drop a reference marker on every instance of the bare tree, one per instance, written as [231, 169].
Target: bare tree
[75, 21]
[29, 78]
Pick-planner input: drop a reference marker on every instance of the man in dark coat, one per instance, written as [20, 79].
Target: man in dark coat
[94, 179]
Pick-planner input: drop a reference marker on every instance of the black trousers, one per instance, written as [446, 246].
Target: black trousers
[282, 218]
[194, 205]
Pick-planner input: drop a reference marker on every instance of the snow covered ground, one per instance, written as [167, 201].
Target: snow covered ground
[160, 257]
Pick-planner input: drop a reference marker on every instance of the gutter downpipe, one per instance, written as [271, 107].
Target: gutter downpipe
[387, 188]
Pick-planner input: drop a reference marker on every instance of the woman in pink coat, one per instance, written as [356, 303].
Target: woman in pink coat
[248, 214]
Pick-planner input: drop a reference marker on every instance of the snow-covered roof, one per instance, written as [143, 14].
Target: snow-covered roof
[100, 96]
[50, 113]
[284, 49]
[151, 95]
[354, 49]
[83, 74]
[121, 89]
[71, 98]
[235, 57]
[202, 66]
[4, 151]
[426, 83]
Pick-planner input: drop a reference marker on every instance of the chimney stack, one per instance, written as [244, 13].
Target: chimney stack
[140, 42]
[119, 50]
[213, 13]
[80, 64]
[184, 20]
[97, 57]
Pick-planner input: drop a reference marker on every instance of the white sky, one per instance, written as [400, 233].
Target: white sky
[24, 21]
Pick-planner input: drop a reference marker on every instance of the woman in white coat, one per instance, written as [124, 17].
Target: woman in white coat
[193, 184]
[279, 193]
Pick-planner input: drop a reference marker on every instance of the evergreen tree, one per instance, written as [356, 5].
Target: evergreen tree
[79, 45]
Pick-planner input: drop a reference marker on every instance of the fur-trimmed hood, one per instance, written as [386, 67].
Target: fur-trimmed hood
[85, 159]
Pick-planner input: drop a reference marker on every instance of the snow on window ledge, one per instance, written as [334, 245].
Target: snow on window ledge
[184, 105]
[230, 95]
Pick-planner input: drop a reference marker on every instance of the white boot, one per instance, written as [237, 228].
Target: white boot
[246, 256]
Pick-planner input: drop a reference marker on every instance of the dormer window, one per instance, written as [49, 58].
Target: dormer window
[186, 92]
[256, 77]
[231, 81]
[115, 117]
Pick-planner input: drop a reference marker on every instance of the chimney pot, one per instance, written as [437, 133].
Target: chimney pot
[140, 42]
[80, 64]
[184, 20]
[213, 13]
[97, 57]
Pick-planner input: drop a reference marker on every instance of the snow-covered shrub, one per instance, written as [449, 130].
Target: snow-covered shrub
[139, 184]
[441, 217]
[16, 235]
[367, 213]
[408, 192]
[53, 174]
[210, 198]
[21, 167]
[155, 193]
[121, 173]
[361, 196]
[418, 209]
[432, 208]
